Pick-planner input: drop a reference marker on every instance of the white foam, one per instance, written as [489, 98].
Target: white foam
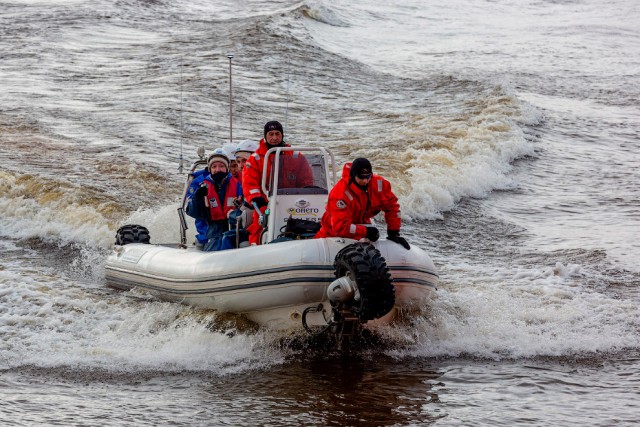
[326, 15]
[55, 323]
[163, 223]
[28, 210]
[481, 311]
[522, 312]
[473, 159]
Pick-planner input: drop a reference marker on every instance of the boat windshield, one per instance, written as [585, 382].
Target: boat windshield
[302, 174]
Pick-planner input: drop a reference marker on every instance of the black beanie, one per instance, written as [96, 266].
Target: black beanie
[360, 166]
[273, 125]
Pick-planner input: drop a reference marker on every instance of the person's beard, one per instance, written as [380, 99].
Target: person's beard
[280, 144]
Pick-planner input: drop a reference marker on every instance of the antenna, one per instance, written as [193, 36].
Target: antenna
[286, 111]
[230, 56]
[181, 160]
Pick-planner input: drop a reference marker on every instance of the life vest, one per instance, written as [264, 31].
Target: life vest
[219, 209]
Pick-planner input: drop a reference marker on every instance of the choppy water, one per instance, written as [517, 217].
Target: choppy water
[509, 130]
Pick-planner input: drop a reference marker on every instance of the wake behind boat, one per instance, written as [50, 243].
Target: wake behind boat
[290, 281]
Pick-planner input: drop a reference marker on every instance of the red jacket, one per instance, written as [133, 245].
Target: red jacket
[349, 207]
[295, 173]
[219, 209]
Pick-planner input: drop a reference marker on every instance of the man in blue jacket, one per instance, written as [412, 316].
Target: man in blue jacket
[215, 199]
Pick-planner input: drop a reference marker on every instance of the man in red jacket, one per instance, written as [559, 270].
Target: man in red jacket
[295, 173]
[355, 199]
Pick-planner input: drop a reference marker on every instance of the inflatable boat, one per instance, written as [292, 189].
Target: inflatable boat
[291, 280]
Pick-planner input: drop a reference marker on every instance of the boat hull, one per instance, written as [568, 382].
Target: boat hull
[269, 284]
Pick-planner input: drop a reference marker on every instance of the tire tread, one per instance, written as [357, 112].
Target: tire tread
[374, 282]
[132, 233]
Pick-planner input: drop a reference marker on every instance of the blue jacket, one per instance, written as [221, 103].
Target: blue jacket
[213, 230]
[201, 224]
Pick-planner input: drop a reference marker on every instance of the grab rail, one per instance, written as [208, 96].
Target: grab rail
[183, 204]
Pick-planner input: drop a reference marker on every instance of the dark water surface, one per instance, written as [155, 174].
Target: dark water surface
[338, 391]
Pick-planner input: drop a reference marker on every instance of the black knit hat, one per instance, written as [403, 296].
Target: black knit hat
[360, 166]
[273, 125]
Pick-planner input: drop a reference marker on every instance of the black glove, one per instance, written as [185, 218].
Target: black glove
[372, 234]
[394, 236]
[197, 206]
[260, 201]
[201, 192]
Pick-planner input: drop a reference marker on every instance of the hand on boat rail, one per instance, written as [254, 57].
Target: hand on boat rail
[262, 218]
[394, 236]
[372, 234]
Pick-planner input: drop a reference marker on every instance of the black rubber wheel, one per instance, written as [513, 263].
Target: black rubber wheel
[132, 234]
[369, 270]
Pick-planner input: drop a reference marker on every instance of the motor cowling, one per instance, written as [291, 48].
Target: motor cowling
[341, 290]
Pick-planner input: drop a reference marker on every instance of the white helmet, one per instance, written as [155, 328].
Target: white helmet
[247, 145]
[220, 155]
[230, 150]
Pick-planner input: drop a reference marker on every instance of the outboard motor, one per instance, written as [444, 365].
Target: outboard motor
[363, 290]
